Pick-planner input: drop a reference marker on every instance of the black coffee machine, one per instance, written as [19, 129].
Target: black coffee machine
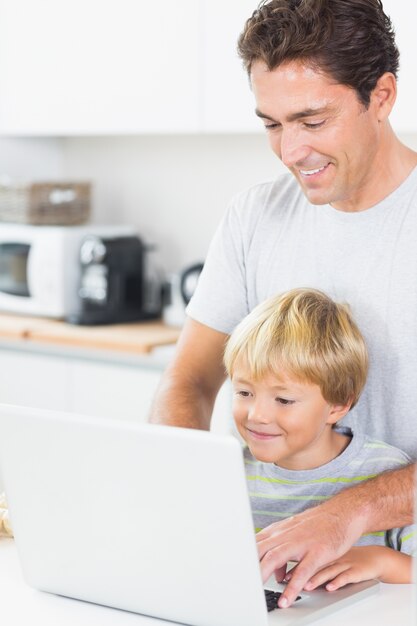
[117, 283]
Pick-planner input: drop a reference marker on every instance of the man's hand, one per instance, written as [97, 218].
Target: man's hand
[321, 535]
[313, 539]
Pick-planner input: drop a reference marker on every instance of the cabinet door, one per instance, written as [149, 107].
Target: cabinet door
[34, 380]
[115, 391]
[404, 16]
[99, 66]
[228, 103]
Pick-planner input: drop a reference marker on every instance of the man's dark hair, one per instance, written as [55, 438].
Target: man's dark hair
[352, 41]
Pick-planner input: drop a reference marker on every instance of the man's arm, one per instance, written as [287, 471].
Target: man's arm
[188, 389]
[322, 534]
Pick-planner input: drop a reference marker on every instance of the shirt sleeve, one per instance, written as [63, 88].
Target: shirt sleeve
[220, 299]
[403, 539]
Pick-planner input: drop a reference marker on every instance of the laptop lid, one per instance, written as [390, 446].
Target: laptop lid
[150, 519]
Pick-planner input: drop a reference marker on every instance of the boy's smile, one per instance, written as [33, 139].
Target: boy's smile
[286, 421]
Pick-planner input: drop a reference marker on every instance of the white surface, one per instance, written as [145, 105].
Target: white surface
[93, 382]
[20, 605]
[134, 66]
[88, 523]
[175, 189]
[404, 16]
[132, 516]
[118, 66]
[228, 102]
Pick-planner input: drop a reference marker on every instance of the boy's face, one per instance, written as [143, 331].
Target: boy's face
[285, 421]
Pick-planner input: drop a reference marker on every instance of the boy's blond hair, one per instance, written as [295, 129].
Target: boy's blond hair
[305, 334]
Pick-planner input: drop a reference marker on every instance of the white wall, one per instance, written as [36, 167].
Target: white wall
[173, 188]
[31, 159]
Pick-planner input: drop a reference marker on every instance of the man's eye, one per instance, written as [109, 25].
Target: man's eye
[284, 401]
[271, 126]
[313, 125]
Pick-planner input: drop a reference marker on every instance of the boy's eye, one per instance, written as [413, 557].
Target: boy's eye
[244, 394]
[284, 401]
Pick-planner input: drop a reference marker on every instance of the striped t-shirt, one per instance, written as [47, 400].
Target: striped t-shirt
[277, 493]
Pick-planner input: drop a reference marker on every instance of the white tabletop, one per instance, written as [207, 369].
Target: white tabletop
[20, 605]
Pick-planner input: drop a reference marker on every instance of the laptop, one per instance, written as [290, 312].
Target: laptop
[145, 518]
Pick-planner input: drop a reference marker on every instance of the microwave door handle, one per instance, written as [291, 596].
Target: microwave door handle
[33, 271]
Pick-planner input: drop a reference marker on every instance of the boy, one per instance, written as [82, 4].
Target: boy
[298, 364]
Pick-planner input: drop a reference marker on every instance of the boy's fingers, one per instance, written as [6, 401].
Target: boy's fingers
[343, 579]
[326, 574]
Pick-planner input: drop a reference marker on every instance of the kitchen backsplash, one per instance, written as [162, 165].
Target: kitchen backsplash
[173, 188]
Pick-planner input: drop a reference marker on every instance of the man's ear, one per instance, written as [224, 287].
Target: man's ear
[337, 411]
[384, 95]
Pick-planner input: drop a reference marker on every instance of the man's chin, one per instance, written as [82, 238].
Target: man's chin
[314, 196]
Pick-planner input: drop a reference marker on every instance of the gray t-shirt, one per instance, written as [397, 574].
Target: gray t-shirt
[272, 239]
[277, 493]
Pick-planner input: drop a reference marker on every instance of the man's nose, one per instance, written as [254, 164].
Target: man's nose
[293, 148]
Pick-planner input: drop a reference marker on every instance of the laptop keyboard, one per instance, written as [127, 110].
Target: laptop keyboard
[272, 598]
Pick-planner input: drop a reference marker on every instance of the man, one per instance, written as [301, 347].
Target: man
[343, 220]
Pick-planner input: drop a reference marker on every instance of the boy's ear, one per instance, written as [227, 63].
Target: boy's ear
[337, 411]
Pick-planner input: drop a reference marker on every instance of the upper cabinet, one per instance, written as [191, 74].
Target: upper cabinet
[134, 66]
[403, 16]
[99, 66]
[228, 102]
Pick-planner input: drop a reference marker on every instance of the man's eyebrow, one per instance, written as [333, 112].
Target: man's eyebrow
[294, 116]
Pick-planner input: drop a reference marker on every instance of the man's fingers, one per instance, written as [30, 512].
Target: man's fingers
[275, 560]
[299, 578]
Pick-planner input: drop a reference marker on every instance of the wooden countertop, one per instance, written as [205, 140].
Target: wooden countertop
[134, 337]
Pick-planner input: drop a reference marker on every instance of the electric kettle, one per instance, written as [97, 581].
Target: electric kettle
[178, 292]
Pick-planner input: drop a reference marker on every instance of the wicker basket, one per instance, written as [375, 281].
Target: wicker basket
[52, 204]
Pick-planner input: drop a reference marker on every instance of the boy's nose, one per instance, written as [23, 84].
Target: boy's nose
[259, 413]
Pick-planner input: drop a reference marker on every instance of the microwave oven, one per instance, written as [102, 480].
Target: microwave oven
[40, 269]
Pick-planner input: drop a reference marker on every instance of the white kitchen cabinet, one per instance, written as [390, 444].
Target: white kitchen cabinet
[68, 383]
[115, 391]
[109, 387]
[93, 387]
[99, 66]
[228, 102]
[34, 380]
[404, 17]
[133, 66]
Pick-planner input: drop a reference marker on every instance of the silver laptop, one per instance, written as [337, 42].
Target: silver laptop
[150, 519]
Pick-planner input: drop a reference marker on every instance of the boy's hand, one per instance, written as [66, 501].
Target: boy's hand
[363, 563]
[358, 564]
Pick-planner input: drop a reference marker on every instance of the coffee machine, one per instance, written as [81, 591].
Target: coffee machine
[118, 283]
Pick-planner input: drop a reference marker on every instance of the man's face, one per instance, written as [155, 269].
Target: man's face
[321, 132]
